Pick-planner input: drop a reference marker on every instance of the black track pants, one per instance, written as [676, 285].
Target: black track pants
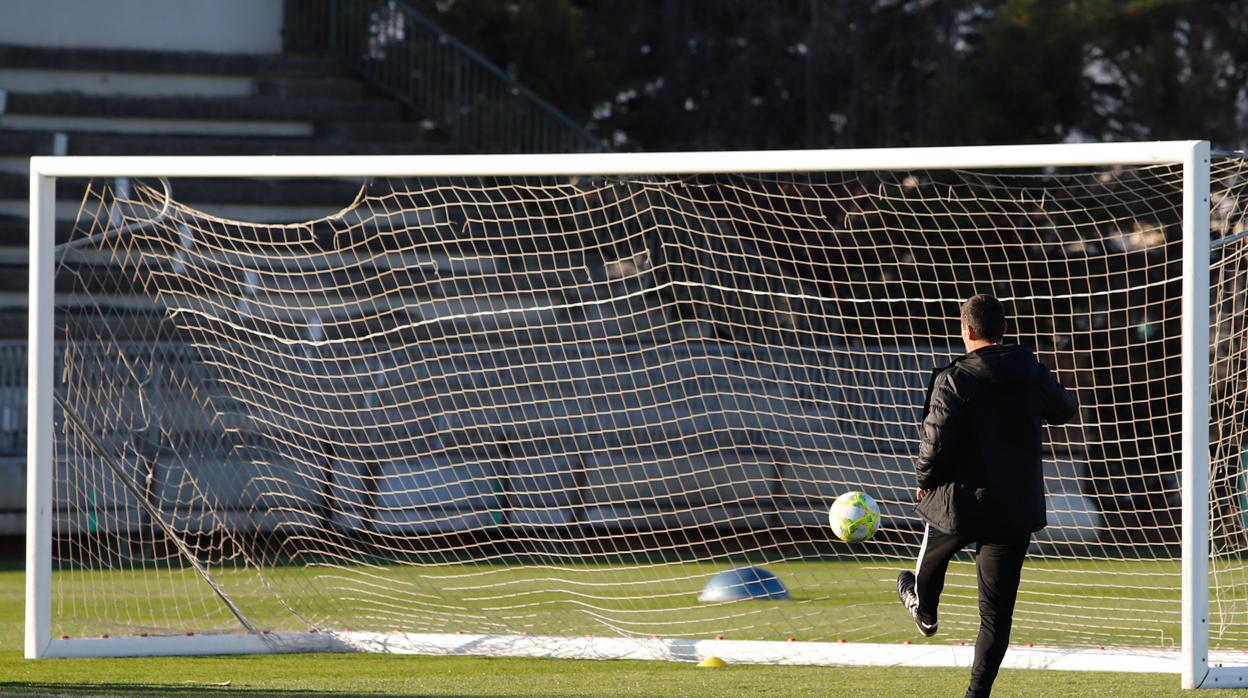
[999, 564]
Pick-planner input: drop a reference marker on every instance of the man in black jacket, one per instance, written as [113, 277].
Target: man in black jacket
[980, 477]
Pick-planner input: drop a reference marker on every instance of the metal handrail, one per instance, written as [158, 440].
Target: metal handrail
[404, 53]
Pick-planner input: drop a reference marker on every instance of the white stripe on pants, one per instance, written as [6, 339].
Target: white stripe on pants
[918, 561]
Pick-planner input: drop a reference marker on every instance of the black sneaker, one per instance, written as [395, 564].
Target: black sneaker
[909, 599]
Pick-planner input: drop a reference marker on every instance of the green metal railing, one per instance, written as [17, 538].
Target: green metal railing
[476, 104]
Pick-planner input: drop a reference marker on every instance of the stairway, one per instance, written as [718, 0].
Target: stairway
[56, 101]
[116, 102]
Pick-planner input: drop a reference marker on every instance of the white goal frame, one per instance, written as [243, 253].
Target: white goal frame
[1194, 661]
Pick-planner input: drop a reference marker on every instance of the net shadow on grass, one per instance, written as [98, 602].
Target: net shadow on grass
[35, 688]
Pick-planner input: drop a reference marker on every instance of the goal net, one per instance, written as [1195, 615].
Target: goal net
[605, 415]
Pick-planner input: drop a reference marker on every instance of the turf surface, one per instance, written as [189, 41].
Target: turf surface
[1116, 603]
[329, 675]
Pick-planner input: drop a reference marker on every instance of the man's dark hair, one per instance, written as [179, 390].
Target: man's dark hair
[985, 315]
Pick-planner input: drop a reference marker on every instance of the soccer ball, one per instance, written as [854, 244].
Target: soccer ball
[854, 517]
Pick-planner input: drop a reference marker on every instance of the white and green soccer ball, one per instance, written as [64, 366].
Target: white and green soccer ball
[854, 517]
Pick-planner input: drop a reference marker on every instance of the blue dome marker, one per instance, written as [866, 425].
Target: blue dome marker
[742, 584]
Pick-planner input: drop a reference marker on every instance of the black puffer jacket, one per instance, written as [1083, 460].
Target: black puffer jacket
[980, 450]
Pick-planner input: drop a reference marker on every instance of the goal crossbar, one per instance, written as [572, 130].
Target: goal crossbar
[1064, 155]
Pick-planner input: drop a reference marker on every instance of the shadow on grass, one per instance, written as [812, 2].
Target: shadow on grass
[34, 688]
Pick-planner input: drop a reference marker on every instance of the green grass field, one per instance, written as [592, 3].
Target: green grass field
[469, 676]
[1121, 602]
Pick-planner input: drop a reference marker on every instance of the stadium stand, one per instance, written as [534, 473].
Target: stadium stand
[98, 101]
[655, 402]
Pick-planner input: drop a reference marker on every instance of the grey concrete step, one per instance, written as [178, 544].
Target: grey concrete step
[113, 60]
[303, 109]
[272, 192]
[117, 84]
[83, 143]
[27, 143]
[165, 85]
[67, 211]
[36, 80]
[15, 231]
[159, 127]
[21, 144]
[293, 269]
[16, 279]
[15, 164]
[323, 87]
[360, 132]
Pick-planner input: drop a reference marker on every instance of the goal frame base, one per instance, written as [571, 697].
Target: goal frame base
[1227, 669]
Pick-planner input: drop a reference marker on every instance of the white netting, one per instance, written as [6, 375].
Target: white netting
[1228, 407]
[559, 406]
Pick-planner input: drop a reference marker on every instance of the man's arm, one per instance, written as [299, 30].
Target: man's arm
[939, 434]
[1057, 404]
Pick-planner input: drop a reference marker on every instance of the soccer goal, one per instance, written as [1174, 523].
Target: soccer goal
[598, 405]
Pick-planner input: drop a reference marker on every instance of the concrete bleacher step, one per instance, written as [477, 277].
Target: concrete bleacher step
[291, 106]
[295, 309]
[306, 88]
[261, 108]
[23, 144]
[133, 326]
[86, 82]
[164, 62]
[157, 127]
[238, 191]
[249, 200]
[125, 102]
[125, 144]
[69, 281]
[362, 132]
[67, 212]
[17, 146]
[293, 268]
[111, 84]
[14, 233]
[100, 84]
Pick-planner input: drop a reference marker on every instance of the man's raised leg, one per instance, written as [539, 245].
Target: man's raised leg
[937, 550]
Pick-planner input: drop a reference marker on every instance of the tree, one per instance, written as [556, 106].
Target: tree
[541, 43]
[733, 74]
[771, 73]
[1043, 71]
[1021, 80]
[1169, 69]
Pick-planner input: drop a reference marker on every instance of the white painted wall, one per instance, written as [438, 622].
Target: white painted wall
[216, 26]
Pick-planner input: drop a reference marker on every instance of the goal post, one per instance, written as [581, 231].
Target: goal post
[1195, 440]
[530, 404]
[39, 414]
